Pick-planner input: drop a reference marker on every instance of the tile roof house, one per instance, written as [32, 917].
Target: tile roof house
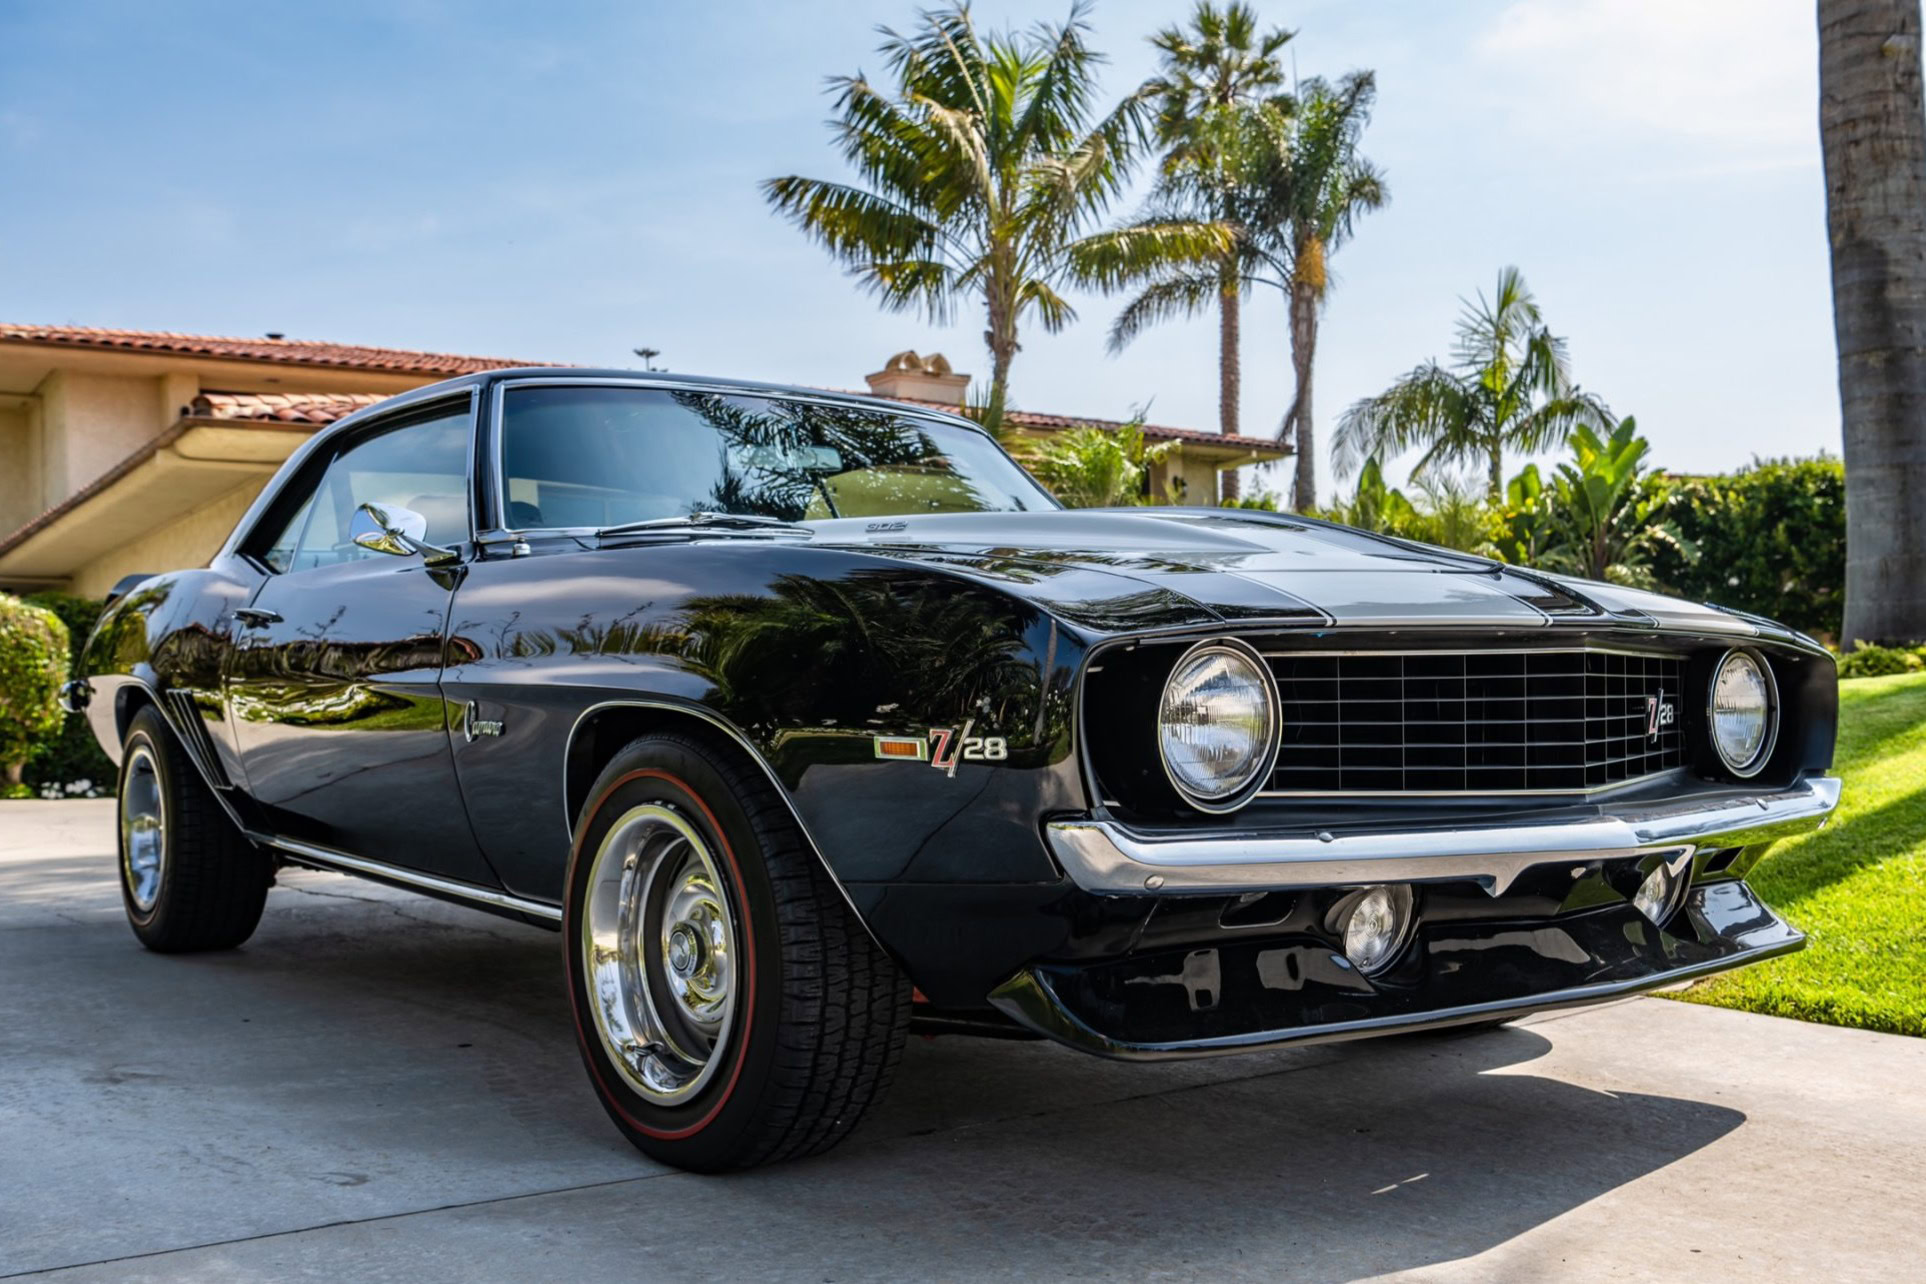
[130, 450]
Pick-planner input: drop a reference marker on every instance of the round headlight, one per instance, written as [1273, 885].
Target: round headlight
[1217, 726]
[1744, 712]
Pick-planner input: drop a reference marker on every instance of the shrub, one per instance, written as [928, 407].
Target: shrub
[1771, 539]
[71, 765]
[1087, 467]
[33, 664]
[1865, 661]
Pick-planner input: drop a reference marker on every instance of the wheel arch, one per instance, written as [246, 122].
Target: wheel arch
[602, 729]
[133, 696]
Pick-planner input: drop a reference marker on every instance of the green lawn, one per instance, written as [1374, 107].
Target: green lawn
[1857, 888]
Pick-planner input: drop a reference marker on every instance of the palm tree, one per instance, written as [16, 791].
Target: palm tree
[977, 172]
[1218, 67]
[1872, 129]
[1509, 388]
[1319, 187]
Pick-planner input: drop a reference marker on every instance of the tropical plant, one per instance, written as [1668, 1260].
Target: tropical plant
[1509, 388]
[1872, 130]
[1375, 505]
[1612, 519]
[1526, 523]
[1447, 512]
[1213, 73]
[978, 170]
[33, 665]
[1089, 467]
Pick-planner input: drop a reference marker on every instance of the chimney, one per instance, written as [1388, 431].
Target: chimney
[930, 378]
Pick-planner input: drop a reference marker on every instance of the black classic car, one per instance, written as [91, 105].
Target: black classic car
[810, 718]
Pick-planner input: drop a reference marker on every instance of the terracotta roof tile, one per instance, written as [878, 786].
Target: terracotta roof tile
[300, 352]
[1155, 432]
[315, 408]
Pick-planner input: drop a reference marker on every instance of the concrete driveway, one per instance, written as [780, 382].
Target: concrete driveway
[380, 1086]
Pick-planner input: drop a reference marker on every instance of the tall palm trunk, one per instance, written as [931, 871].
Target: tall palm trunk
[1872, 127]
[1495, 474]
[1229, 371]
[1001, 338]
[1303, 354]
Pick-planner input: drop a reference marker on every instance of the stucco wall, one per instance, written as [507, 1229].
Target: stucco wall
[185, 542]
[22, 471]
[93, 421]
[1198, 477]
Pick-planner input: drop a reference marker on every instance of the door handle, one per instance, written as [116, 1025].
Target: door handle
[255, 617]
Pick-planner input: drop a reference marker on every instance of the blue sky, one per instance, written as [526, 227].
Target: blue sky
[569, 181]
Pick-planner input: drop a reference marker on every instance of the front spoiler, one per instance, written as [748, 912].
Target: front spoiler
[1109, 858]
[1465, 973]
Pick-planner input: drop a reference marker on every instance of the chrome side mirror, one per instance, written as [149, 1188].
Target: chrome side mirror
[398, 532]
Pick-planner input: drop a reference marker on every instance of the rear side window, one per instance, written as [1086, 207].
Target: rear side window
[422, 466]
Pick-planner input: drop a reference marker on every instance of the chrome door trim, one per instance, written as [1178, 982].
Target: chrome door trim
[343, 863]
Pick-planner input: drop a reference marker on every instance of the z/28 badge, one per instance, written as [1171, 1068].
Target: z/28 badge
[945, 747]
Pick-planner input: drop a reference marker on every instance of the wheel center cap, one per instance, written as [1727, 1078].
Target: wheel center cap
[685, 949]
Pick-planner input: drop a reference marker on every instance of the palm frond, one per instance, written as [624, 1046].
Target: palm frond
[1168, 299]
[1429, 406]
[1147, 250]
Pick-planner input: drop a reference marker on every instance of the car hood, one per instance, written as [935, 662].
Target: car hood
[1115, 570]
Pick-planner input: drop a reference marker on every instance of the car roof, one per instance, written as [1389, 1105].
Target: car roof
[660, 378]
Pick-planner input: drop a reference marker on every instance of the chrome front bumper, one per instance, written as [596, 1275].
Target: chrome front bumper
[1113, 859]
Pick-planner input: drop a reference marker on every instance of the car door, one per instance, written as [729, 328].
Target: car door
[334, 684]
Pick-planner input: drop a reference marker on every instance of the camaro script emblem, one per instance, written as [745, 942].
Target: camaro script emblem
[472, 724]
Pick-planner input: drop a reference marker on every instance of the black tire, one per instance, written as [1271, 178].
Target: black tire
[211, 882]
[820, 1013]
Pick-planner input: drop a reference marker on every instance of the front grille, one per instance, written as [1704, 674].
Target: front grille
[1476, 722]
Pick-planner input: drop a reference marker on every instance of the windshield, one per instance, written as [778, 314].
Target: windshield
[602, 456]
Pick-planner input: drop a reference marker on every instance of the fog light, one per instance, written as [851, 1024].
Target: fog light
[1659, 896]
[1376, 927]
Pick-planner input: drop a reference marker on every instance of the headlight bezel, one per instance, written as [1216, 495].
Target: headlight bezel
[1774, 713]
[1265, 761]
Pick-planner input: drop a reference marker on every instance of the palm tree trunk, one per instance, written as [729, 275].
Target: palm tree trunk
[1303, 353]
[1495, 478]
[1229, 369]
[1872, 128]
[1002, 340]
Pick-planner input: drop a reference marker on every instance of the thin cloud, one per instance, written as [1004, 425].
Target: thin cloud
[1738, 73]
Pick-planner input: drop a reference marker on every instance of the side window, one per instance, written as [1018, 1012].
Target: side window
[421, 466]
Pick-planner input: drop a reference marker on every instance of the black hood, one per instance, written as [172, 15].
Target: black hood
[1118, 569]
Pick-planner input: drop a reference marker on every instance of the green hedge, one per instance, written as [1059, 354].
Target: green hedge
[71, 765]
[33, 664]
[1865, 661]
[1771, 540]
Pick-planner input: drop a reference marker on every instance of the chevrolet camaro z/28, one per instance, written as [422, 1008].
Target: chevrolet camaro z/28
[809, 718]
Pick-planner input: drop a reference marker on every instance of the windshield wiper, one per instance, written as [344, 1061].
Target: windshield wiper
[704, 519]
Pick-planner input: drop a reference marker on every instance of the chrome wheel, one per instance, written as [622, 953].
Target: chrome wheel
[143, 828]
[659, 953]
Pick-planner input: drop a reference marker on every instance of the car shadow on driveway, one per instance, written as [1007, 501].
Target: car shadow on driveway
[376, 1056]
